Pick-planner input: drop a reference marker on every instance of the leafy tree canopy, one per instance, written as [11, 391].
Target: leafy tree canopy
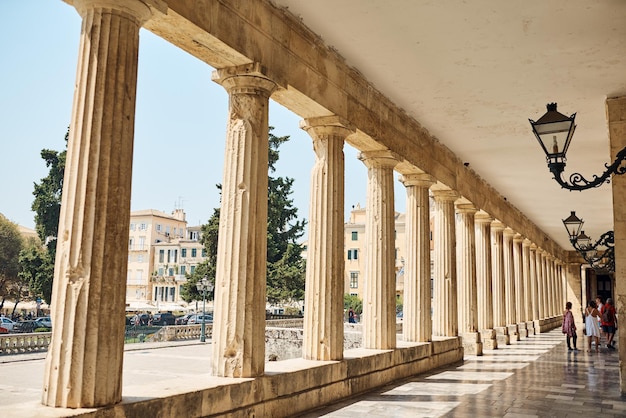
[11, 243]
[354, 302]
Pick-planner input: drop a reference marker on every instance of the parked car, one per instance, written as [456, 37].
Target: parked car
[25, 326]
[140, 319]
[164, 318]
[43, 322]
[7, 324]
[197, 319]
[182, 320]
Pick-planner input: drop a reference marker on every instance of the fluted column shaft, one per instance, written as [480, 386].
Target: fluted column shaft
[239, 319]
[540, 283]
[417, 319]
[520, 306]
[379, 319]
[509, 277]
[84, 363]
[445, 320]
[534, 283]
[483, 271]
[497, 270]
[466, 268]
[526, 271]
[323, 316]
[544, 285]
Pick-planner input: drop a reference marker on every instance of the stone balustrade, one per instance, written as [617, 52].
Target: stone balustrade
[24, 343]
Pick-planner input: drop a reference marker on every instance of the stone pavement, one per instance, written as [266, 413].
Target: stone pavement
[535, 377]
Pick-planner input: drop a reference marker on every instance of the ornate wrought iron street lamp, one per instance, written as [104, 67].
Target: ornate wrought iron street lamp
[601, 254]
[554, 132]
[204, 286]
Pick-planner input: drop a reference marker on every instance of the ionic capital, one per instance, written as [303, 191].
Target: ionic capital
[417, 180]
[327, 127]
[445, 195]
[379, 159]
[245, 79]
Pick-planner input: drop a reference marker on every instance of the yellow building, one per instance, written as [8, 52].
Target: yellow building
[150, 229]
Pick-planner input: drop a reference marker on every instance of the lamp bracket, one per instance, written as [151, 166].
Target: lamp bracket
[579, 183]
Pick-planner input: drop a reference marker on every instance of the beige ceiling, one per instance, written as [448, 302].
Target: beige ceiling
[473, 72]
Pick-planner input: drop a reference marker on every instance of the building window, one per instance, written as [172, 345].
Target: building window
[143, 227]
[171, 271]
[354, 279]
[353, 254]
[161, 256]
[142, 243]
[130, 244]
[132, 226]
[159, 227]
[140, 258]
[203, 252]
[167, 230]
[355, 235]
[183, 252]
[193, 268]
[194, 252]
[161, 271]
[183, 270]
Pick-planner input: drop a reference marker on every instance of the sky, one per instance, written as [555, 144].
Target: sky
[180, 122]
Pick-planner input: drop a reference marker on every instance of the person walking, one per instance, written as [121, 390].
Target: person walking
[592, 330]
[569, 327]
[599, 305]
[609, 322]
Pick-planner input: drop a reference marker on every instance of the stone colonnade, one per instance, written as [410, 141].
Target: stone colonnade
[484, 271]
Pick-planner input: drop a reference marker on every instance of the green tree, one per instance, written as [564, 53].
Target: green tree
[37, 270]
[285, 266]
[11, 243]
[38, 264]
[354, 302]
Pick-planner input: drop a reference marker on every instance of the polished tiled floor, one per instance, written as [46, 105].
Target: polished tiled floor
[535, 377]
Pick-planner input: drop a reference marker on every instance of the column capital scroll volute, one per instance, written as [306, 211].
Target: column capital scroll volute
[380, 158]
[328, 126]
[417, 180]
[465, 208]
[445, 195]
[248, 78]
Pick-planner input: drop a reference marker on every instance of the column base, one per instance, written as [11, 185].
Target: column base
[502, 335]
[530, 326]
[513, 332]
[488, 338]
[472, 343]
[523, 332]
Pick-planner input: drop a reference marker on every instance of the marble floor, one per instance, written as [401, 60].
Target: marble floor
[534, 377]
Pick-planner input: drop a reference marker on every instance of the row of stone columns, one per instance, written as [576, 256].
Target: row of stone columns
[472, 260]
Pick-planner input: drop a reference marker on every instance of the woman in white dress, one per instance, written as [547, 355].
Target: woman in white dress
[592, 330]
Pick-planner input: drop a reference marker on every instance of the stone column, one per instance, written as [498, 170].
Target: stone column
[466, 279]
[539, 309]
[535, 277]
[445, 318]
[379, 301]
[84, 363]
[616, 117]
[520, 306]
[417, 324]
[239, 319]
[509, 285]
[549, 291]
[482, 222]
[323, 316]
[527, 266]
[497, 270]
[544, 286]
[551, 287]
